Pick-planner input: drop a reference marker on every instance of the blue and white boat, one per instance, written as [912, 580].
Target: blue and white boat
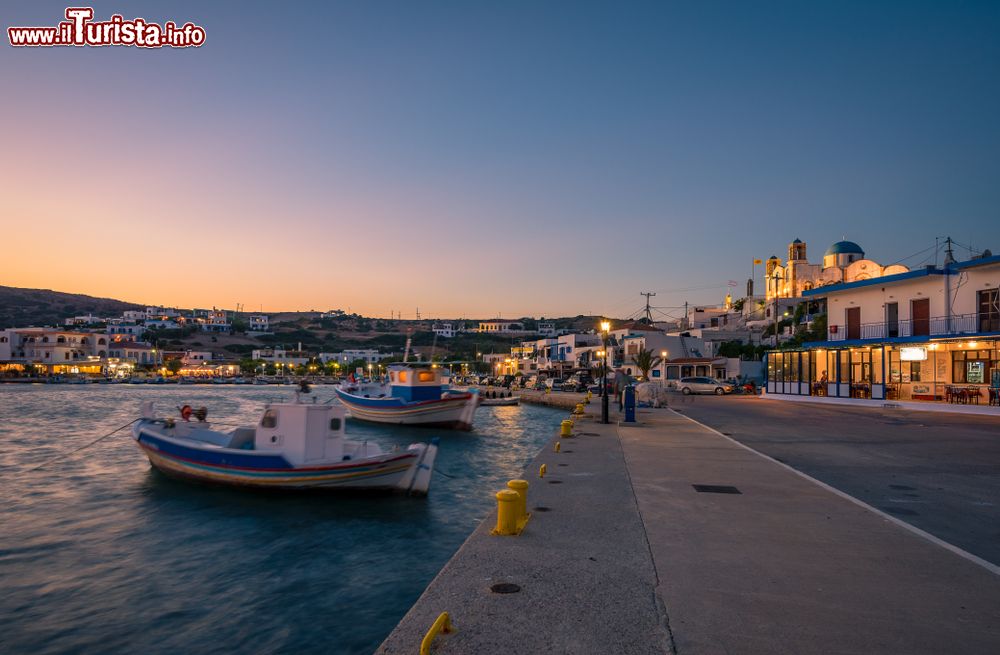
[414, 394]
[293, 446]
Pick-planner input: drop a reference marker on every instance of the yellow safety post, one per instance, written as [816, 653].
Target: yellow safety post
[547, 390]
[521, 488]
[558, 446]
[506, 513]
[566, 428]
[442, 625]
[589, 396]
[579, 409]
[541, 471]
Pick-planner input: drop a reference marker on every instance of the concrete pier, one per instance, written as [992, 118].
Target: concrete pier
[630, 558]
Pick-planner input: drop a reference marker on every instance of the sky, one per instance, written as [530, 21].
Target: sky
[482, 159]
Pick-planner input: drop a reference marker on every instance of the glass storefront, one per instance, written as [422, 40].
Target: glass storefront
[945, 371]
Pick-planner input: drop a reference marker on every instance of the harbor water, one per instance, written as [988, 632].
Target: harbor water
[101, 554]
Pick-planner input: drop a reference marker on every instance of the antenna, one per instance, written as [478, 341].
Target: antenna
[649, 315]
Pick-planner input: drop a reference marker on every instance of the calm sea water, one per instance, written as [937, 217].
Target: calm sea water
[101, 554]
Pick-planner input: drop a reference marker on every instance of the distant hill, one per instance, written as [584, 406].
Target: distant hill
[26, 307]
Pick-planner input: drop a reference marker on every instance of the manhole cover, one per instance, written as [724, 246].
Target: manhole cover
[541, 509]
[505, 588]
[715, 489]
[555, 481]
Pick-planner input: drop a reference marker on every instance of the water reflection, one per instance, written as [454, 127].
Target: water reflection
[98, 552]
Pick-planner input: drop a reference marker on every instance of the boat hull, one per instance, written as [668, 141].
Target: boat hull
[271, 471]
[454, 411]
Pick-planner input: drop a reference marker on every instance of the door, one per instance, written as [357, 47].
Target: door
[853, 322]
[920, 311]
[892, 319]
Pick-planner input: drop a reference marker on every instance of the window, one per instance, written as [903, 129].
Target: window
[989, 310]
[425, 376]
[335, 424]
[402, 376]
[892, 319]
[270, 419]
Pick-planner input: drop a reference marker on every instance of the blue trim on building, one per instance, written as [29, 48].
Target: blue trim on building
[813, 345]
[886, 279]
[972, 263]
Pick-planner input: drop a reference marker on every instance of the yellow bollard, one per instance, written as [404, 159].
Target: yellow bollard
[521, 488]
[541, 471]
[558, 446]
[442, 625]
[579, 409]
[506, 513]
[566, 428]
[547, 390]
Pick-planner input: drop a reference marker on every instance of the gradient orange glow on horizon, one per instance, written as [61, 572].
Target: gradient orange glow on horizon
[476, 160]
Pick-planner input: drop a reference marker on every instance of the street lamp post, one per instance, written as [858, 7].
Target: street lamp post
[605, 328]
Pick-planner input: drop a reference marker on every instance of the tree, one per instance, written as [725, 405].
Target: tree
[173, 365]
[645, 361]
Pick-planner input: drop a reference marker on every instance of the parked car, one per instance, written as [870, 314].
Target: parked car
[576, 383]
[554, 383]
[704, 385]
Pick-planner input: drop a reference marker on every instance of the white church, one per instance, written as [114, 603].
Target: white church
[844, 261]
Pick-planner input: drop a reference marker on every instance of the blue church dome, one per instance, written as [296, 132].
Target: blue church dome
[845, 248]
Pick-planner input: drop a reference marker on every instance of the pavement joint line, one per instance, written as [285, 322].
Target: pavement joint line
[661, 605]
[989, 566]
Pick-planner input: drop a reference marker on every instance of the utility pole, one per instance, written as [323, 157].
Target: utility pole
[649, 315]
[684, 325]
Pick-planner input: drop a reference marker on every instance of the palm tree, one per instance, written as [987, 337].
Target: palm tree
[645, 361]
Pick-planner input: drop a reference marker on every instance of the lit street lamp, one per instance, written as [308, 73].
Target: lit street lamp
[605, 328]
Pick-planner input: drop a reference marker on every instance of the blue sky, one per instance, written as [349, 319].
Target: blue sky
[517, 158]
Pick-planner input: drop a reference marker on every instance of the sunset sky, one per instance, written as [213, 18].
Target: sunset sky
[484, 158]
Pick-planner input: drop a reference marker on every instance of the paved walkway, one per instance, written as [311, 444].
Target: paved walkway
[631, 559]
[788, 566]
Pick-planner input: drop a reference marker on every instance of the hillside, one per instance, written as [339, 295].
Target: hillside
[25, 307]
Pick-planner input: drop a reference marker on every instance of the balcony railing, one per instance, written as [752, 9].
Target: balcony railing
[957, 325]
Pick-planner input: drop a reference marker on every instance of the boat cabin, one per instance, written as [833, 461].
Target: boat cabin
[302, 432]
[416, 383]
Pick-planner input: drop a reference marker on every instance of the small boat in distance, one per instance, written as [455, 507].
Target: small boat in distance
[416, 394]
[293, 446]
[501, 401]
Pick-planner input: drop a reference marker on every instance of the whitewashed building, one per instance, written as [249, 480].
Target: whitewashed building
[931, 334]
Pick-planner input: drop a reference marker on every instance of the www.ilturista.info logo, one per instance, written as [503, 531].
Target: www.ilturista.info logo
[79, 29]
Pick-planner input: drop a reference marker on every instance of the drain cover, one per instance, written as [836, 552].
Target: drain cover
[555, 481]
[541, 509]
[715, 489]
[505, 588]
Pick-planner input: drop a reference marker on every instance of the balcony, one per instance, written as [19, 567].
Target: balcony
[938, 326]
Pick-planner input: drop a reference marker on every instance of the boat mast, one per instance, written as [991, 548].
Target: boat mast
[409, 337]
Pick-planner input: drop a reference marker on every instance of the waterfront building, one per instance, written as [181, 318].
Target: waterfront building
[843, 262]
[369, 355]
[53, 350]
[121, 326]
[192, 357]
[931, 334]
[280, 356]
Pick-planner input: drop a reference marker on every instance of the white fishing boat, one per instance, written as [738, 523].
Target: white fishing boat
[293, 446]
[415, 394]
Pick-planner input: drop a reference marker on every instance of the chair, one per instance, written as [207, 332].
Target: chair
[972, 394]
